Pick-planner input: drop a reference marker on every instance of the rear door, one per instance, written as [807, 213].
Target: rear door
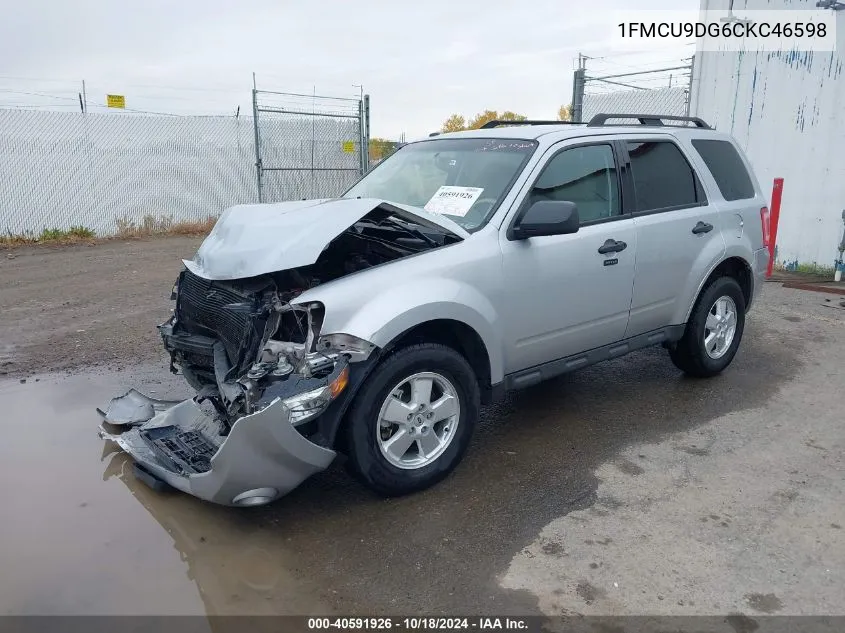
[679, 232]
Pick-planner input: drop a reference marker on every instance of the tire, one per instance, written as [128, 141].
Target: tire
[691, 354]
[367, 432]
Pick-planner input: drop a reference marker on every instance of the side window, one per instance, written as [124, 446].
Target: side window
[727, 168]
[662, 176]
[583, 175]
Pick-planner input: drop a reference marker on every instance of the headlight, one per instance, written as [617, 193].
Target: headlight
[356, 348]
[307, 406]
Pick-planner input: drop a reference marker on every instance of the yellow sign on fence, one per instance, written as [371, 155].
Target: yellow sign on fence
[116, 101]
[348, 147]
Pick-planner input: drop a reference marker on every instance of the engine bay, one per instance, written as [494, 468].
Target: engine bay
[242, 343]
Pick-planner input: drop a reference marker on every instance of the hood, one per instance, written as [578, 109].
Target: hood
[255, 239]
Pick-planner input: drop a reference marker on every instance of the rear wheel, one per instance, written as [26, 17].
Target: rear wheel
[412, 421]
[714, 330]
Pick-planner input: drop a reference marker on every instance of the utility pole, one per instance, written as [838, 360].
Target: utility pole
[257, 140]
[84, 99]
[578, 81]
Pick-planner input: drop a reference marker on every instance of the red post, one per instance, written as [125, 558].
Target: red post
[774, 217]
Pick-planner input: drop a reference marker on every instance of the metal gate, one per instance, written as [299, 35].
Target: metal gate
[307, 146]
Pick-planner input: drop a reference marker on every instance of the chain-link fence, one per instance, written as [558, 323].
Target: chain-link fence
[104, 171]
[114, 172]
[656, 101]
[639, 92]
[308, 146]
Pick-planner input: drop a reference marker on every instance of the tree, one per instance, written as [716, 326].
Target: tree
[565, 113]
[507, 115]
[381, 148]
[481, 118]
[454, 123]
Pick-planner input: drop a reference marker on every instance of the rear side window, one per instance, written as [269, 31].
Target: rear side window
[728, 170]
[663, 179]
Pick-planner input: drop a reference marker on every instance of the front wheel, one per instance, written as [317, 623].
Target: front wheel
[413, 418]
[714, 330]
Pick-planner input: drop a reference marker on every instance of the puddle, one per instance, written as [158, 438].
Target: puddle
[83, 536]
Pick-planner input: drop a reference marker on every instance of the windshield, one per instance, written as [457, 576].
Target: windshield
[464, 179]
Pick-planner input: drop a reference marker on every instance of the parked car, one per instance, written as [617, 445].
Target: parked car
[462, 266]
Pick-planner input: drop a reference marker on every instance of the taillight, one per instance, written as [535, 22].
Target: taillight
[766, 223]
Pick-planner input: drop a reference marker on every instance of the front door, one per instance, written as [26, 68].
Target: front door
[570, 293]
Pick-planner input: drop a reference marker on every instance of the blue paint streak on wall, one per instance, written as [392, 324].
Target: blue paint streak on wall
[799, 118]
[791, 58]
[830, 63]
[736, 88]
[753, 92]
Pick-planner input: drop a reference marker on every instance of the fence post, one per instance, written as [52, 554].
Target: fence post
[578, 80]
[689, 87]
[362, 138]
[257, 142]
[366, 126]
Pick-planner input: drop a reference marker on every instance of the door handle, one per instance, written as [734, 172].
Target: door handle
[612, 246]
[702, 227]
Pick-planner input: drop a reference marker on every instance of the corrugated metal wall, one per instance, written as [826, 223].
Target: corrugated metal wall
[787, 110]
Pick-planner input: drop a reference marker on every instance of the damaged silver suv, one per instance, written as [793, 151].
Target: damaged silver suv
[464, 265]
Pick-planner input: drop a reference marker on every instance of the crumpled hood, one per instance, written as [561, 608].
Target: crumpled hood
[255, 239]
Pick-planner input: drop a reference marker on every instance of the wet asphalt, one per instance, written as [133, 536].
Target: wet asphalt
[83, 536]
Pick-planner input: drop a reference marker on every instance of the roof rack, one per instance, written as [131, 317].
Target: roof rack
[499, 123]
[647, 119]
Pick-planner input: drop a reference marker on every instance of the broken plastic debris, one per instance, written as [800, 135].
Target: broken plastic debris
[134, 408]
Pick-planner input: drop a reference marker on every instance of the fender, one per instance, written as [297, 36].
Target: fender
[737, 251]
[398, 308]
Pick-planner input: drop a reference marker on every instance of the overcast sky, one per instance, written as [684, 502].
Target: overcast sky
[419, 61]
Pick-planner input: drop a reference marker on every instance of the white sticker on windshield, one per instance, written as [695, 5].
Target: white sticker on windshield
[451, 200]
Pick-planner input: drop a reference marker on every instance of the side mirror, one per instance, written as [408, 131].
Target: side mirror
[547, 217]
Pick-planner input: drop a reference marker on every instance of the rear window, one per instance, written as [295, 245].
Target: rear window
[663, 179]
[728, 170]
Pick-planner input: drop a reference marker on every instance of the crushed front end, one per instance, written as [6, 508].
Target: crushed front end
[251, 433]
[271, 389]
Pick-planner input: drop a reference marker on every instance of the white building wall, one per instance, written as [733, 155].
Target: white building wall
[787, 110]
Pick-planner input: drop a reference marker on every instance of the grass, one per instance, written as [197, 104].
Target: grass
[814, 269]
[163, 225]
[126, 229]
[73, 235]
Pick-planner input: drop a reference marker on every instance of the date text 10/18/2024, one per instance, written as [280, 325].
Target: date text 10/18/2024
[420, 624]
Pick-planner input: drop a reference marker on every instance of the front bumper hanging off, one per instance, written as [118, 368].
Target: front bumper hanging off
[263, 456]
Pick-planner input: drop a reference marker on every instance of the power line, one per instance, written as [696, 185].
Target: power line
[37, 94]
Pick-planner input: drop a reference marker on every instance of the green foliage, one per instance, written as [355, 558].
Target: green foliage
[457, 122]
[64, 235]
[381, 148]
[454, 123]
[52, 235]
[81, 231]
